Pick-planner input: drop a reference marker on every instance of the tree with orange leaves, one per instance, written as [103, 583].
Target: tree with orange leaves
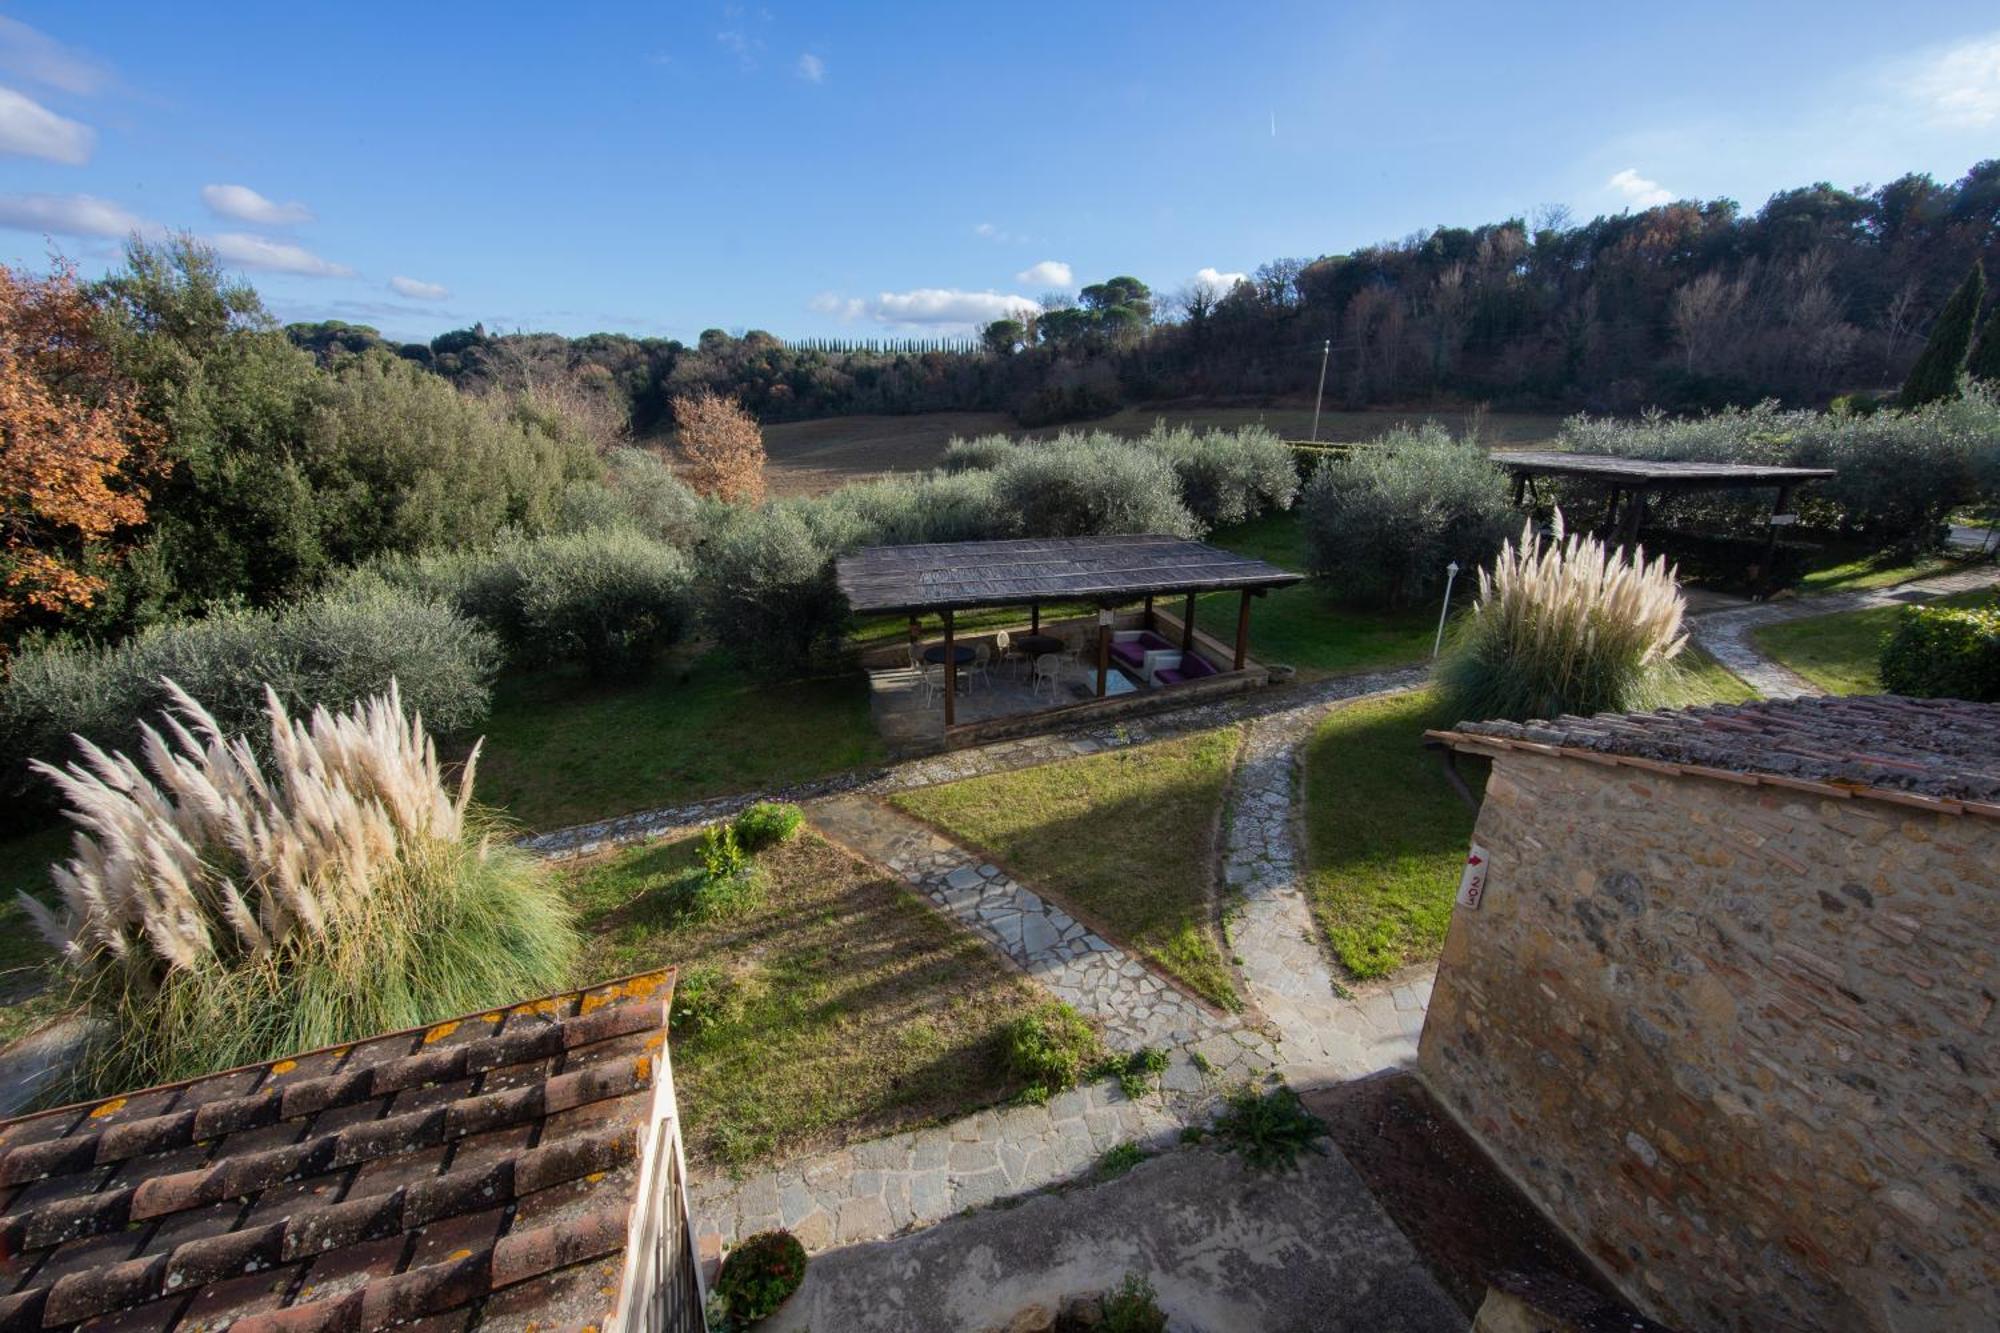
[71, 440]
[722, 447]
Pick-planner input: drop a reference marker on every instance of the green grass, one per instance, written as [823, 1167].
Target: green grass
[873, 630]
[1839, 652]
[1385, 833]
[1846, 572]
[561, 749]
[839, 1008]
[1127, 840]
[1304, 625]
[27, 998]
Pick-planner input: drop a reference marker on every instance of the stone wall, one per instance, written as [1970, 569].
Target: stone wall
[1738, 1042]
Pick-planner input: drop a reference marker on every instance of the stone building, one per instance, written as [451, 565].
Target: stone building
[1720, 994]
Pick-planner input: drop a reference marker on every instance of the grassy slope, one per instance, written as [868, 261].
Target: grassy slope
[561, 750]
[1838, 652]
[1303, 626]
[1847, 572]
[1128, 839]
[859, 1011]
[1386, 835]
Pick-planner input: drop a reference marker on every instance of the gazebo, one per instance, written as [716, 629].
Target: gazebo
[943, 578]
[1635, 480]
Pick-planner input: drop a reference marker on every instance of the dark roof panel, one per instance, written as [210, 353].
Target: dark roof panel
[490, 1160]
[1945, 750]
[942, 576]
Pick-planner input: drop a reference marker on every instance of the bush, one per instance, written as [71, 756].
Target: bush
[638, 491]
[327, 651]
[1049, 1049]
[767, 592]
[766, 824]
[1270, 1129]
[1133, 1307]
[723, 447]
[225, 911]
[1084, 486]
[1563, 626]
[1943, 652]
[759, 1275]
[1226, 476]
[1383, 523]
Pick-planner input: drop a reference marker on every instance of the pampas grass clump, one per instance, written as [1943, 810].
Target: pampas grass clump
[218, 911]
[1566, 625]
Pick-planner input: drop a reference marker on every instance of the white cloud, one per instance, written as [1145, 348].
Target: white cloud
[418, 290]
[42, 59]
[928, 306]
[1047, 274]
[1217, 281]
[274, 256]
[243, 204]
[1638, 191]
[29, 129]
[1960, 87]
[70, 215]
[811, 68]
[987, 231]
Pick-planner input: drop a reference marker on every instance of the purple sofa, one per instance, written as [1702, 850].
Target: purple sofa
[1192, 667]
[1132, 652]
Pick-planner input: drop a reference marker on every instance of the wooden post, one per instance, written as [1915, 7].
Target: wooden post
[1520, 487]
[1187, 625]
[1771, 542]
[950, 675]
[1635, 514]
[1243, 631]
[1034, 617]
[1149, 611]
[1103, 652]
[1611, 514]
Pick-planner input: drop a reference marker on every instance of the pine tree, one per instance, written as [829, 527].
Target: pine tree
[1984, 363]
[1940, 369]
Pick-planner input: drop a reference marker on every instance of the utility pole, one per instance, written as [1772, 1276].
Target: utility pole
[1325, 353]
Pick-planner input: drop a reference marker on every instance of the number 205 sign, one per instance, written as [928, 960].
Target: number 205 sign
[1472, 881]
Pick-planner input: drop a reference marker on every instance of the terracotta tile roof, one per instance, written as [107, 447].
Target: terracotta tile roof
[1937, 752]
[476, 1173]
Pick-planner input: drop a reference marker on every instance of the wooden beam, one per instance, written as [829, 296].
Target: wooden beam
[1149, 611]
[1034, 617]
[1771, 542]
[1520, 487]
[1103, 654]
[1187, 625]
[1611, 514]
[950, 675]
[1243, 631]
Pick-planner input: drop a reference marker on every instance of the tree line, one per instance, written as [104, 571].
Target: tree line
[1688, 305]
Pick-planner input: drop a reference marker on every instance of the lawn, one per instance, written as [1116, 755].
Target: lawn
[561, 749]
[1303, 625]
[26, 999]
[838, 1009]
[1126, 840]
[1846, 571]
[1838, 652]
[872, 630]
[1385, 833]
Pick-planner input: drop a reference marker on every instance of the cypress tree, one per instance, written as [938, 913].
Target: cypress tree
[1984, 363]
[1940, 368]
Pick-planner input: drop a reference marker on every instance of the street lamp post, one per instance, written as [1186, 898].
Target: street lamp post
[1325, 353]
[1450, 576]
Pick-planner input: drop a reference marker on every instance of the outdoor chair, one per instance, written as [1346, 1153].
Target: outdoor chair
[933, 677]
[1048, 669]
[1003, 648]
[916, 656]
[982, 661]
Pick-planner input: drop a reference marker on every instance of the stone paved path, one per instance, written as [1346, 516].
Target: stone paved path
[1076, 964]
[1726, 634]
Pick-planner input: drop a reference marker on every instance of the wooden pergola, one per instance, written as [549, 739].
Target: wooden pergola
[947, 577]
[1636, 480]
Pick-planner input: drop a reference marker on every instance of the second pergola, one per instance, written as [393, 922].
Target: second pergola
[943, 578]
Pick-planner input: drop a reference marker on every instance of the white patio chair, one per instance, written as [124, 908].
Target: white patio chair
[981, 665]
[916, 657]
[1048, 670]
[933, 679]
[1003, 648]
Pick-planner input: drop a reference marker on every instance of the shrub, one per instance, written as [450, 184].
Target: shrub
[610, 599]
[722, 446]
[1560, 626]
[331, 650]
[1119, 1158]
[1083, 486]
[1270, 1129]
[1049, 1049]
[1383, 523]
[759, 1276]
[901, 511]
[727, 884]
[980, 454]
[1227, 476]
[1140, 1071]
[638, 491]
[767, 591]
[1133, 1307]
[222, 911]
[766, 824]
[1943, 652]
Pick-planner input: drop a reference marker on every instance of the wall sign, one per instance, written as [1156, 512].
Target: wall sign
[1472, 882]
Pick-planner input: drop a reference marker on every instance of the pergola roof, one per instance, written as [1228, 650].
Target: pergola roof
[954, 576]
[1652, 472]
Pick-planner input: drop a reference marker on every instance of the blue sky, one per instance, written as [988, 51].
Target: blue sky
[896, 169]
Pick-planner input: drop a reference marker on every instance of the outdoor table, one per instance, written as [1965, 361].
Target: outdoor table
[960, 654]
[1034, 645]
